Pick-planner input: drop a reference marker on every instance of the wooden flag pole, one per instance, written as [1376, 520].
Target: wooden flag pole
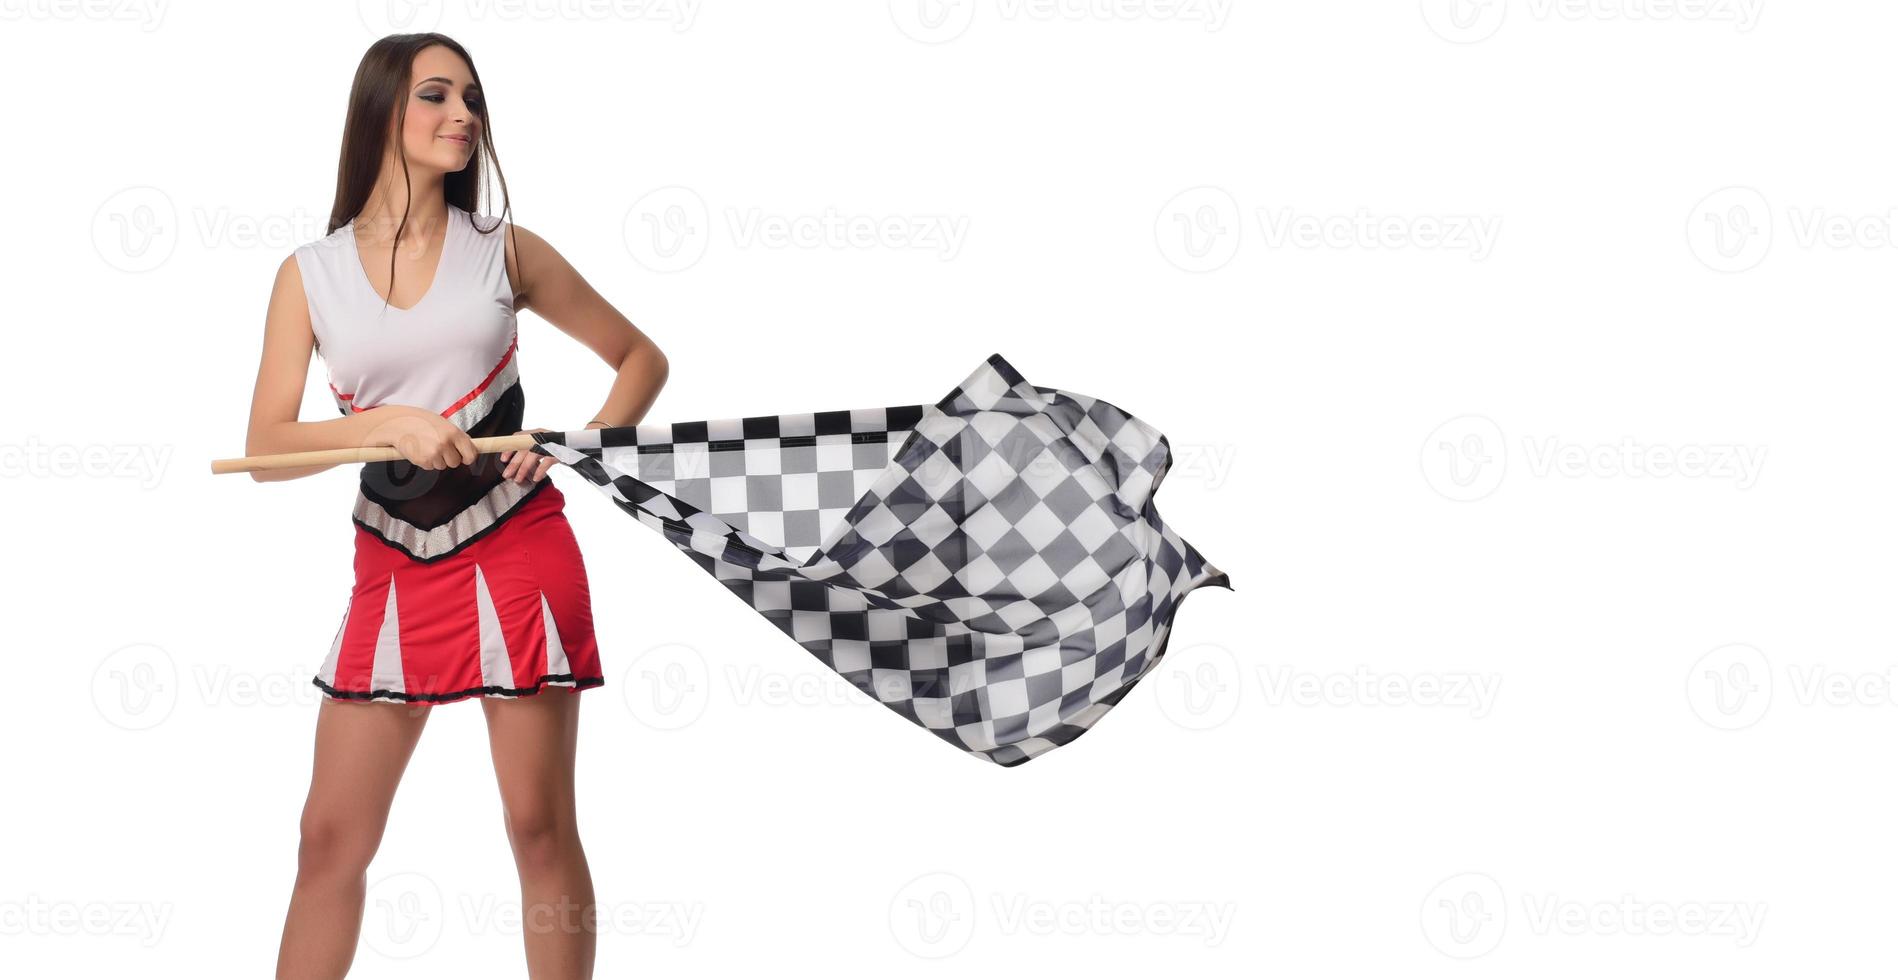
[364, 454]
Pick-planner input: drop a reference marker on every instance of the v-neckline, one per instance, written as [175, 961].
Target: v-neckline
[441, 264]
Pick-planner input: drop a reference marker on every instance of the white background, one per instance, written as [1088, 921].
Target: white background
[1526, 366]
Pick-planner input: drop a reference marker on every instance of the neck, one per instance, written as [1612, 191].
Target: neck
[422, 197]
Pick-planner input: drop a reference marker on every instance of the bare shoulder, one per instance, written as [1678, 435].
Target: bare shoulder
[530, 260]
[289, 284]
[289, 311]
[290, 273]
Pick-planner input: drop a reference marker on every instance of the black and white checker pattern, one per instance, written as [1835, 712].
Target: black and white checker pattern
[990, 567]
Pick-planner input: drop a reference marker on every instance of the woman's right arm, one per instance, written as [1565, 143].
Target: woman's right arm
[423, 436]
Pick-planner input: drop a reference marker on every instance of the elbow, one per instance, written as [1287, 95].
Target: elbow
[661, 368]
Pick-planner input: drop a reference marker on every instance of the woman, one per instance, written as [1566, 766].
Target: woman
[468, 582]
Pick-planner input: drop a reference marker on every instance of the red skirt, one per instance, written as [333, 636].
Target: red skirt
[503, 617]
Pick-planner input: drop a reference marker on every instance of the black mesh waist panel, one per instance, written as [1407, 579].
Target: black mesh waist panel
[431, 498]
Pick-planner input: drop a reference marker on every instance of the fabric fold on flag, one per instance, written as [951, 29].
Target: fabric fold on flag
[990, 566]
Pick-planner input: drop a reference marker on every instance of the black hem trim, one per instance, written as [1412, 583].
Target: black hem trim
[539, 485]
[577, 684]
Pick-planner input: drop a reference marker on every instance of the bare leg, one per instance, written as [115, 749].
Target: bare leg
[361, 750]
[532, 740]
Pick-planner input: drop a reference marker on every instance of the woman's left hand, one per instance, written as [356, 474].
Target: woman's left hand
[525, 465]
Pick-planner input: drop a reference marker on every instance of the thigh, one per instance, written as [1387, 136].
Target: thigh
[361, 751]
[532, 740]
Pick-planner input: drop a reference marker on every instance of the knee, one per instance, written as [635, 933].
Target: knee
[539, 835]
[336, 844]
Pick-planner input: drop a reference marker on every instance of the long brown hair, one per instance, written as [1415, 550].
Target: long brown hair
[380, 88]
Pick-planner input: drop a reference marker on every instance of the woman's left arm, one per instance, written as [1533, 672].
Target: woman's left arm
[545, 282]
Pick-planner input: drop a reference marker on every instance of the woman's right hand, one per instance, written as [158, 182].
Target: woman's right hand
[426, 439]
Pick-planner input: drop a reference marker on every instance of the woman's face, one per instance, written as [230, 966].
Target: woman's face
[444, 123]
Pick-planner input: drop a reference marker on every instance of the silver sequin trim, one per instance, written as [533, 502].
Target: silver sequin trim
[424, 545]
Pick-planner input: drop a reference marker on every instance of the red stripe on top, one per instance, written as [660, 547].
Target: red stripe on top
[343, 398]
[465, 399]
[483, 386]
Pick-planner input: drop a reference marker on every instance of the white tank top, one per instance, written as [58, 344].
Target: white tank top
[453, 352]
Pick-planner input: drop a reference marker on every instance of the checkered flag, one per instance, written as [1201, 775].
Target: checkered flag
[990, 567]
